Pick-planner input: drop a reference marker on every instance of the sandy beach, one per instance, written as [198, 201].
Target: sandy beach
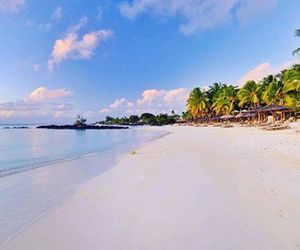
[196, 188]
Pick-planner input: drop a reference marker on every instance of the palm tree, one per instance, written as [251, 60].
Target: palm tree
[214, 91]
[198, 103]
[282, 89]
[291, 78]
[277, 93]
[249, 94]
[297, 51]
[273, 92]
[226, 101]
[80, 121]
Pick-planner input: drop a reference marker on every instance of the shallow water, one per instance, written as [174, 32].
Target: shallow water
[22, 149]
[39, 169]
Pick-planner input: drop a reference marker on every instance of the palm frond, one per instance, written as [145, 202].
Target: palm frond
[297, 32]
[296, 52]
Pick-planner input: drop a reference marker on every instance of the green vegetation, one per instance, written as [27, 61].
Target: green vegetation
[226, 100]
[198, 103]
[144, 119]
[80, 121]
[282, 89]
[219, 99]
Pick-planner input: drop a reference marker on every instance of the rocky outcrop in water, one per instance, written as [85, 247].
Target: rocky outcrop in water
[81, 127]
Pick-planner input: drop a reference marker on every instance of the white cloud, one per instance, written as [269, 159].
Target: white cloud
[205, 88]
[41, 94]
[198, 15]
[171, 96]
[104, 111]
[176, 95]
[119, 103]
[37, 105]
[162, 101]
[11, 5]
[43, 105]
[40, 105]
[149, 95]
[152, 100]
[72, 46]
[55, 18]
[57, 14]
[6, 113]
[262, 70]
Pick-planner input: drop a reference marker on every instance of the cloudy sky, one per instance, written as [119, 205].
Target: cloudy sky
[122, 57]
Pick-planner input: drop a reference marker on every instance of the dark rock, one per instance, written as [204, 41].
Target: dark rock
[81, 127]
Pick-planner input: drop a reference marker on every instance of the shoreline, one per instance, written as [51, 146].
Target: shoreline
[196, 188]
[55, 189]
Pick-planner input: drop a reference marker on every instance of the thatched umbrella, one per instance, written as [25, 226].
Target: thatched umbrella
[273, 108]
[240, 115]
[246, 115]
[215, 118]
[226, 117]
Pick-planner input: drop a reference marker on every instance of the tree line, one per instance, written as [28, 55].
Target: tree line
[144, 119]
[282, 89]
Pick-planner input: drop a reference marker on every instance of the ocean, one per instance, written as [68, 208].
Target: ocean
[39, 169]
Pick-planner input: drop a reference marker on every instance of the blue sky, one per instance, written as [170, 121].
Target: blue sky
[98, 58]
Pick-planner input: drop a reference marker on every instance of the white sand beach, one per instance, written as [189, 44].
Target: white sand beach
[197, 188]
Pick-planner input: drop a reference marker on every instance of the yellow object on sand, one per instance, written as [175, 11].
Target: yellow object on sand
[133, 152]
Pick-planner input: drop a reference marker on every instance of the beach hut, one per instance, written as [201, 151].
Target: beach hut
[246, 116]
[273, 109]
[214, 120]
[227, 117]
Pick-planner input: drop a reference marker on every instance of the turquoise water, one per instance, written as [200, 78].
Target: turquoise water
[22, 149]
[39, 169]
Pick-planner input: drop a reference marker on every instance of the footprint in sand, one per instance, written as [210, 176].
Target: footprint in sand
[281, 213]
[273, 192]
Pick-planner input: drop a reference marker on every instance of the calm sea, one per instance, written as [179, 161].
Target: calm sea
[39, 169]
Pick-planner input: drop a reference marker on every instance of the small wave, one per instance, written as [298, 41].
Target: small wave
[20, 169]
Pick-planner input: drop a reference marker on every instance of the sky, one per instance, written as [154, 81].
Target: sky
[124, 57]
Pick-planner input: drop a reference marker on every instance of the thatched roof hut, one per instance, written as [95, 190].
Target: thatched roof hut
[246, 115]
[273, 108]
[226, 117]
